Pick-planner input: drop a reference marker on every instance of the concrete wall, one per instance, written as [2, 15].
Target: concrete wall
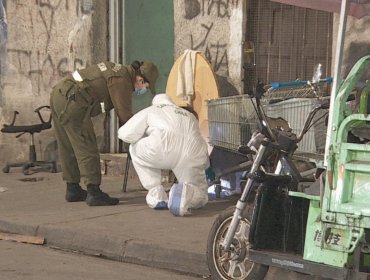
[216, 28]
[46, 41]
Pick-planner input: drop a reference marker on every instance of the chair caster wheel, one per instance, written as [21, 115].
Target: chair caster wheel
[26, 172]
[6, 169]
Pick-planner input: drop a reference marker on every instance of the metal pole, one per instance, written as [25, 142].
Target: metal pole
[128, 162]
[114, 57]
[123, 28]
[337, 71]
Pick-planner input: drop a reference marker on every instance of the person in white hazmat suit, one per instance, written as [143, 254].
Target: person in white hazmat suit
[165, 136]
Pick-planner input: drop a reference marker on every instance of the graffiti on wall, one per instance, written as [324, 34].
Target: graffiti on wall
[36, 60]
[41, 69]
[214, 13]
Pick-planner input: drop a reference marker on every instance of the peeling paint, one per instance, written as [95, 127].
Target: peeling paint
[341, 172]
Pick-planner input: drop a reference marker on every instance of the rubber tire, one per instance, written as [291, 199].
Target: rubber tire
[256, 272]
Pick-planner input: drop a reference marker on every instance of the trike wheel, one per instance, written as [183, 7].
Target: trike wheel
[232, 264]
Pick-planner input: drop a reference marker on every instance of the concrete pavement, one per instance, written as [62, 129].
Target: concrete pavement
[129, 232]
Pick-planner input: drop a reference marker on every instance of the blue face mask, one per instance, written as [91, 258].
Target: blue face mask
[141, 91]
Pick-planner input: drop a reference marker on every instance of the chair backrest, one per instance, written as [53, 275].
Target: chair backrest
[32, 128]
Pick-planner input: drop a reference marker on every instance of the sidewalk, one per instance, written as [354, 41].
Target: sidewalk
[130, 232]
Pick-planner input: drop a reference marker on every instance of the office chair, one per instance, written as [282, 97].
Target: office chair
[31, 129]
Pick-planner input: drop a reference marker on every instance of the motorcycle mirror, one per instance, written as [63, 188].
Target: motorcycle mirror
[317, 72]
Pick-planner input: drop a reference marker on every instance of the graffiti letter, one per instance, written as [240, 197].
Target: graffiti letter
[201, 44]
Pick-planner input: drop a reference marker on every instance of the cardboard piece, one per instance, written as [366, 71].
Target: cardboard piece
[205, 88]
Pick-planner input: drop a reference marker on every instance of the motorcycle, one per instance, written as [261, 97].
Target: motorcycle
[276, 222]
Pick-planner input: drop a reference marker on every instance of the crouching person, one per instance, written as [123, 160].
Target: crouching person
[165, 136]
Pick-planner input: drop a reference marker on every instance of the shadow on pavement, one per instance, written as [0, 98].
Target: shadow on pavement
[215, 207]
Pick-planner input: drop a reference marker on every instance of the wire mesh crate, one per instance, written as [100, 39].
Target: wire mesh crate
[231, 121]
[295, 112]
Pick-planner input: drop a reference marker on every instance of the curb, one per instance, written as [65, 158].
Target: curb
[131, 251]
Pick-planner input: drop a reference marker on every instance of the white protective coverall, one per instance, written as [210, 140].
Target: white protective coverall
[165, 136]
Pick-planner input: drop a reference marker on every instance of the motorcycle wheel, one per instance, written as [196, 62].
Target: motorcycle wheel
[232, 264]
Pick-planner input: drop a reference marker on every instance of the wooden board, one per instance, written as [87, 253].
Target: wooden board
[205, 85]
[22, 238]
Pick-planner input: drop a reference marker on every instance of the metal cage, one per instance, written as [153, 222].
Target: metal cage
[232, 121]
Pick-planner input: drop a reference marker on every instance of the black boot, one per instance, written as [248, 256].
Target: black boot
[75, 193]
[96, 197]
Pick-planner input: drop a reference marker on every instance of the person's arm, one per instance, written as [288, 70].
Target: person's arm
[134, 129]
[120, 91]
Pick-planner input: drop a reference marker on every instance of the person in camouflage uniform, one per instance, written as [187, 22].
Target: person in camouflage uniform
[85, 94]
